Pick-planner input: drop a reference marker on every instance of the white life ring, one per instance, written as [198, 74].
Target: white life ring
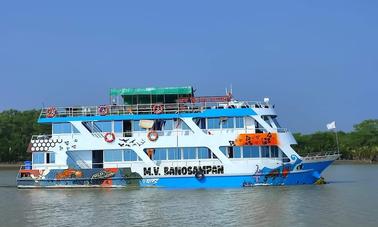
[152, 135]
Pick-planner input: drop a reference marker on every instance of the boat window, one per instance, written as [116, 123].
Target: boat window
[284, 156]
[265, 151]
[204, 153]
[180, 124]
[118, 126]
[274, 151]
[201, 122]
[276, 122]
[259, 128]
[50, 157]
[38, 158]
[158, 125]
[227, 122]
[129, 155]
[184, 126]
[231, 151]
[224, 150]
[266, 119]
[189, 152]
[160, 154]
[174, 153]
[62, 128]
[251, 152]
[237, 152]
[213, 123]
[239, 122]
[136, 127]
[103, 126]
[112, 155]
[168, 124]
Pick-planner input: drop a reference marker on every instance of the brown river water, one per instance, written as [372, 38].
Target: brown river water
[349, 199]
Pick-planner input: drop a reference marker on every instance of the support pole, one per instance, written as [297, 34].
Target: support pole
[337, 142]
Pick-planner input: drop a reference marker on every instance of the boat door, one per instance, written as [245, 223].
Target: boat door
[97, 159]
[127, 128]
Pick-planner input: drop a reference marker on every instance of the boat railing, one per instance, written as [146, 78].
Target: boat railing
[45, 138]
[89, 165]
[57, 136]
[176, 132]
[321, 154]
[242, 130]
[186, 163]
[167, 108]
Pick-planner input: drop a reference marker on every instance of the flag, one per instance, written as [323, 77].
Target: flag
[331, 125]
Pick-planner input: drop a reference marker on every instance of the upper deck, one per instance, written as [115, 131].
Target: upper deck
[154, 103]
[145, 109]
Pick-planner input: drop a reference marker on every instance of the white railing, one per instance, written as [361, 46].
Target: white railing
[148, 108]
[182, 162]
[57, 136]
[321, 154]
[176, 132]
[242, 130]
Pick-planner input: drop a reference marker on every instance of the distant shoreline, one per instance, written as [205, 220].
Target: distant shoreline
[10, 165]
[344, 161]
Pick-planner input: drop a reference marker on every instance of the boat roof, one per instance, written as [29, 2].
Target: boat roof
[187, 90]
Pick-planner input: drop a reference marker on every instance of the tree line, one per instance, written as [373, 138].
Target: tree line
[359, 144]
[16, 128]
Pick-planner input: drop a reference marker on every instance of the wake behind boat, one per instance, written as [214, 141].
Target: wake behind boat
[167, 137]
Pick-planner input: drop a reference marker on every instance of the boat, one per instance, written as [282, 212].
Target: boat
[167, 138]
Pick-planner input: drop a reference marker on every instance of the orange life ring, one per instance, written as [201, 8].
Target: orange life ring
[152, 135]
[109, 137]
[51, 112]
[158, 109]
[103, 110]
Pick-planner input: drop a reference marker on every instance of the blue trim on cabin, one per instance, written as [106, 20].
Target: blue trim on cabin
[207, 113]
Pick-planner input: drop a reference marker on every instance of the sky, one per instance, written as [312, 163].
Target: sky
[317, 61]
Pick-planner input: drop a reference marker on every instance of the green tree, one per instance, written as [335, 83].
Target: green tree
[361, 143]
[16, 128]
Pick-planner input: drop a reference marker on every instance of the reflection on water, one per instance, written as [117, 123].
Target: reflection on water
[349, 200]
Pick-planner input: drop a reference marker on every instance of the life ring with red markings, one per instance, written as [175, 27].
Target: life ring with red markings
[51, 112]
[109, 137]
[157, 109]
[103, 110]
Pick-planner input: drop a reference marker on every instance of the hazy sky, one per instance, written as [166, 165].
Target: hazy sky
[316, 60]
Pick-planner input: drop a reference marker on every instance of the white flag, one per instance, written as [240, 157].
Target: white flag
[331, 125]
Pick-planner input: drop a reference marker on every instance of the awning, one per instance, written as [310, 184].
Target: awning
[152, 91]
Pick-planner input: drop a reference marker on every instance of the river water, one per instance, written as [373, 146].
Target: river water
[350, 199]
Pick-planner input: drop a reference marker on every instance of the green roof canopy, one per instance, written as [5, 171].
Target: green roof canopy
[152, 91]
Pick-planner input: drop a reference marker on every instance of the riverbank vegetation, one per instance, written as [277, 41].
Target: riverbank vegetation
[359, 144]
[16, 128]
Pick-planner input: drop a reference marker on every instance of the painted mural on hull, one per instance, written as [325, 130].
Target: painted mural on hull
[124, 177]
[108, 177]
